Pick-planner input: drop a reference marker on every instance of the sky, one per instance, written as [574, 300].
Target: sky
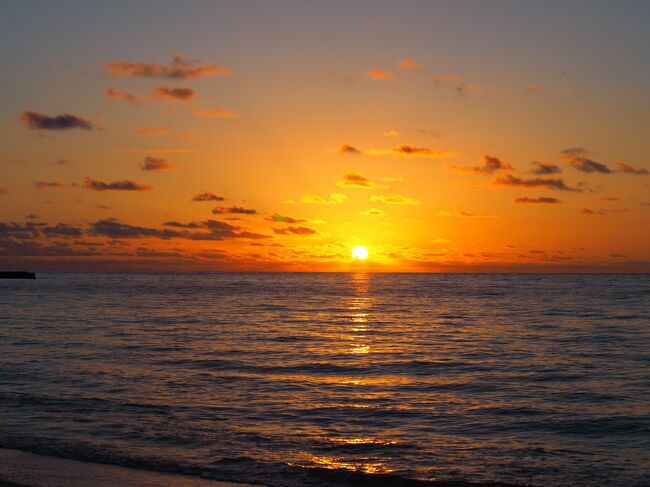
[444, 136]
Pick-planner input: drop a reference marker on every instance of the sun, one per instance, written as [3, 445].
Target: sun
[360, 252]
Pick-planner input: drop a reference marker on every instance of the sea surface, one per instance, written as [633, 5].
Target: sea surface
[300, 379]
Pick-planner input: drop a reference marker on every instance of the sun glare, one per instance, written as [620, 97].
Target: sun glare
[359, 252]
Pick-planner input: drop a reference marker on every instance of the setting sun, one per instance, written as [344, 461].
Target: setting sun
[360, 252]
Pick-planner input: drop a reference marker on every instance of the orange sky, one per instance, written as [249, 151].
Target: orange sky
[193, 143]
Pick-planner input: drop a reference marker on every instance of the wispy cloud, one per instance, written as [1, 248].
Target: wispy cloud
[117, 95]
[459, 85]
[408, 150]
[156, 164]
[546, 183]
[48, 184]
[124, 185]
[372, 212]
[207, 196]
[146, 131]
[215, 112]
[395, 199]
[276, 217]
[577, 158]
[627, 169]
[172, 94]
[534, 89]
[180, 68]
[380, 74]
[64, 121]
[315, 199]
[237, 210]
[490, 165]
[540, 200]
[349, 149]
[545, 168]
[354, 179]
[295, 231]
[409, 65]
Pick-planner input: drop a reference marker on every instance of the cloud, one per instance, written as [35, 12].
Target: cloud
[174, 94]
[625, 168]
[380, 74]
[408, 150]
[577, 158]
[3, 190]
[546, 183]
[48, 184]
[429, 132]
[391, 133]
[237, 210]
[534, 90]
[544, 168]
[156, 164]
[146, 131]
[542, 200]
[348, 149]
[62, 230]
[125, 185]
[372, 212]
[587, 211]
[276, 217]
[315, 199]
[180, 68]
[409, 65]
[395, 199]
[64, 121]
[60, 162]
[295, 231]
[354, 179]
[216, 230]
[490, 165]
[459, 85]
[207, 196]
[215, 112]
[117, 95]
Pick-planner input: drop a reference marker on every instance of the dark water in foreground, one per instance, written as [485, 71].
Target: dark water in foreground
[264, 377]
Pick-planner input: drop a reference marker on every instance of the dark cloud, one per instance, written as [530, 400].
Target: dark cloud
[542, 200]
[577, 158]
[625, 168]
[180, 68]
[354, 179]
[544, 168]
[62, 230]
[65, 121]
[207, 197]
[349, 149]
[111, 227]
[125, 185]
[489, 166]
[237, 210]
[175, 94]
[183, 225]
[284, 219]
[3, 190]
[156, 164]
[48, 184]
[546, 183]
[295, 231]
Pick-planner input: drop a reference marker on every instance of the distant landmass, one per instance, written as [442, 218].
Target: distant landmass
[17, 275]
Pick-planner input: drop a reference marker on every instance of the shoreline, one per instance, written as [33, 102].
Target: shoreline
[19, 468]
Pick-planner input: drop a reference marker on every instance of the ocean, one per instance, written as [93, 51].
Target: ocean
[301, 379]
